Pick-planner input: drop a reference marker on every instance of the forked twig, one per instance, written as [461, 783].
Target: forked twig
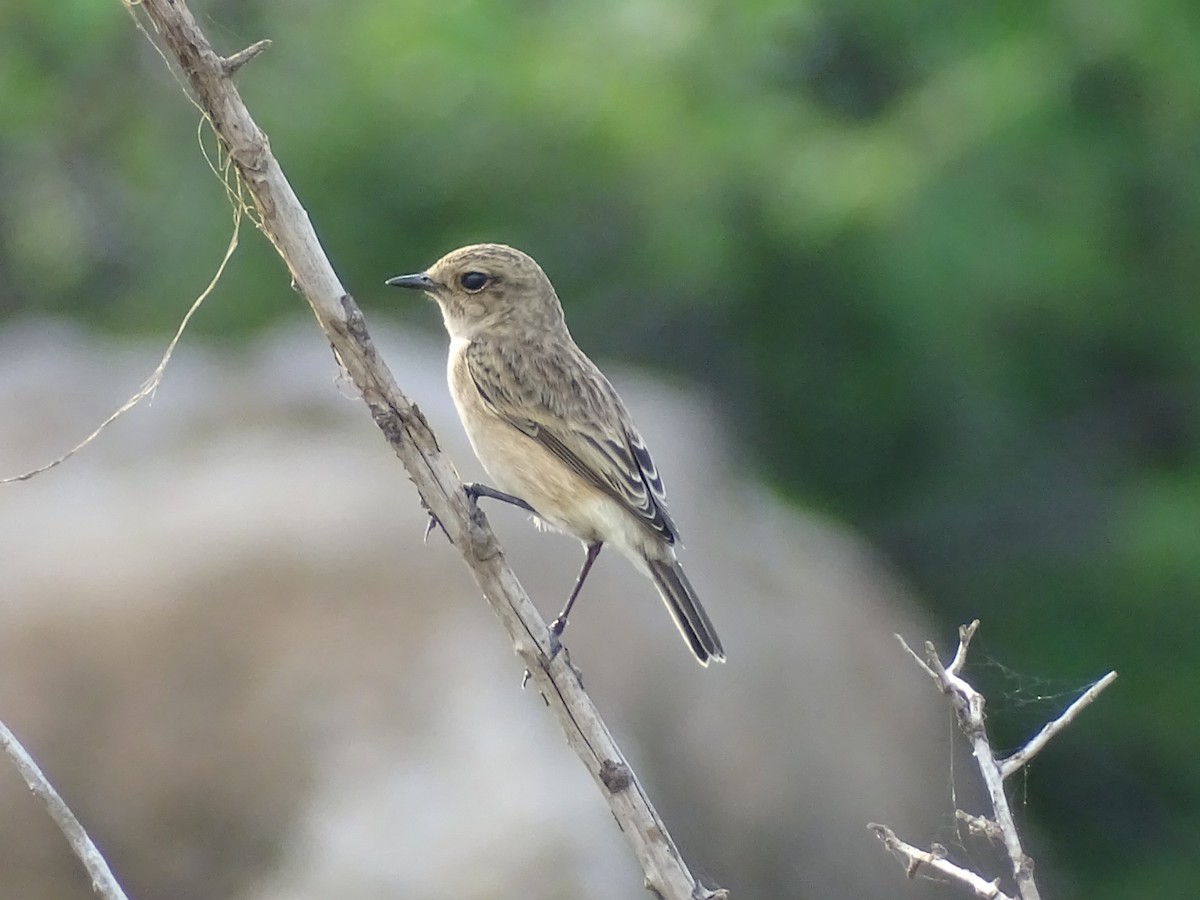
[968, 705]
[914, 858]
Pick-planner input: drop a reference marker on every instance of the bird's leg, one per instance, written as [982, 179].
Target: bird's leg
[559, 625]
[474, 490]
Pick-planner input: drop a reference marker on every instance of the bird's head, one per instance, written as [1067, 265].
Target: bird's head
[484, 285]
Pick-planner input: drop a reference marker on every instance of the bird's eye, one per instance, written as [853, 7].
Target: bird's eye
[473, 281]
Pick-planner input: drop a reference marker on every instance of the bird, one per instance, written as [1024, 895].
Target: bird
[550, 429]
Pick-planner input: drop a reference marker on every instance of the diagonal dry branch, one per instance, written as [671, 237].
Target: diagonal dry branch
[286, 224]
[104, 883]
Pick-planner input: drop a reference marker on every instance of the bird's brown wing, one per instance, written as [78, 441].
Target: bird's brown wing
[556, 396]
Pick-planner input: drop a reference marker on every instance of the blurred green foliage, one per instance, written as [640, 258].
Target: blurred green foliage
[937, 262]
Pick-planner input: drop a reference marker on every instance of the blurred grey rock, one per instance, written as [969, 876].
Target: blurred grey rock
[222, 636]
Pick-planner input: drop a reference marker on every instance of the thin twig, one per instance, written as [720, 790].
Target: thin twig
[1013, 763]
[232, 63]
[916, 658]
[285, 222]
[103, 881]
[150, 385]
[965, 633]
[915, 858]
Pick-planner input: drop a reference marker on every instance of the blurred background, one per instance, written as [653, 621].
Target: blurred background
[905, 295]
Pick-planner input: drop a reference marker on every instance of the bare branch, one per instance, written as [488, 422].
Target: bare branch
[232, 63]
[103, 882]
[286, 224]
[915, 858]
[965, 633]
[980, 825]
[913, 653]
[968, 705]
[1013, 763]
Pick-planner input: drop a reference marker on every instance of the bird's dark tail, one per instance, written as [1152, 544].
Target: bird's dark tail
[684, 606]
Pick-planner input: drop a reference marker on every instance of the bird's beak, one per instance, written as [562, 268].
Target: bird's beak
[419, 282]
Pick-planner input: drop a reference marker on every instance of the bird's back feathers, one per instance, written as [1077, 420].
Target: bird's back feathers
[588, 428]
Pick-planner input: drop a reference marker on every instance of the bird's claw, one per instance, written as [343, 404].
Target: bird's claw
[557, 627]
[434, 522]
[556, 649]
[474, 490]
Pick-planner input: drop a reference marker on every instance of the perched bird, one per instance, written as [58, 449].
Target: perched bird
[549, 428]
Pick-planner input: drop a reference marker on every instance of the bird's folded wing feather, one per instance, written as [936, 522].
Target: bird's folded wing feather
[581, 420]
